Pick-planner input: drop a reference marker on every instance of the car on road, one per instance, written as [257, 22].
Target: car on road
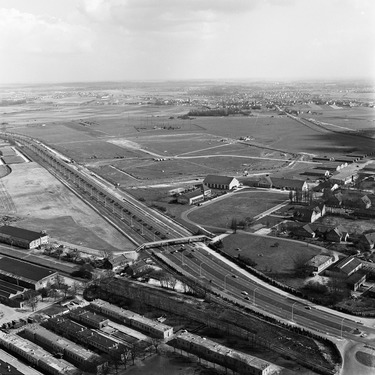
[363, 334]
[244, 293]
[235, 276]
[308, 307]
[248, 298]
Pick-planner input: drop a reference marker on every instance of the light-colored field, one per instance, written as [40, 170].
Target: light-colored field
[238, 205]
[42, 203]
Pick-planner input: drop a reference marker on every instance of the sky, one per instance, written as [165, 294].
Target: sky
[118, 40]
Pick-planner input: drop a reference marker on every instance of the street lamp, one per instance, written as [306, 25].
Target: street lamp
[200, 269]
[292, 310]
[254, 294]
[225, 281]
[342, 323]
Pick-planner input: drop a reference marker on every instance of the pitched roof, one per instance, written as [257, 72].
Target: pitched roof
[23, 269]
[348, 265]
[24, 234]
[218, 180]
[370, 237]
[287, 182]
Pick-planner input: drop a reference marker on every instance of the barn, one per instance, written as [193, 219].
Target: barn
[20, 237]
[221, 182]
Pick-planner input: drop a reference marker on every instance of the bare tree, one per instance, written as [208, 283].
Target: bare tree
[32, 299]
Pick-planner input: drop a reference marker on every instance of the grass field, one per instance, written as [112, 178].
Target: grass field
[272, 255]
[239, 205]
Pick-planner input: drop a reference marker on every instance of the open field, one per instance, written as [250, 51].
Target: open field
[42, 203]
[272, 255]
[238, 205]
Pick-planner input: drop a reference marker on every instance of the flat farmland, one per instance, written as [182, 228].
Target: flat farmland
[165, 170]
[352, 118]
[171, 144]
[237, 148]
[94, 149]
[53, 133]
[239, 205]
[272, 255]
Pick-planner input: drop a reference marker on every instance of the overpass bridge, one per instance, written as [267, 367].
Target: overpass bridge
[173, 241]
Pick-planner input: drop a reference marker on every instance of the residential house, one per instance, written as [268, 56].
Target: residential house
[304, 231]
[367, 240]
[310, 214]
[337, 234]
[221, 182]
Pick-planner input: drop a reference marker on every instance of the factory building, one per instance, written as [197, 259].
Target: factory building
[24, 238]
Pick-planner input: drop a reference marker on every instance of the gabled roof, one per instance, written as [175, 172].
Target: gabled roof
[19, 268]
[24, 234]
[370, 237]
[348, 265]
[218, 180]
[287, 183]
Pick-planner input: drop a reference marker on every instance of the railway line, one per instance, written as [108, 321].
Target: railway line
[140, 223]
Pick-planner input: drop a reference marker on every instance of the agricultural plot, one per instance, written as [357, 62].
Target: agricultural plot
[239, 206]
[165, 170]
[352, 118]
[272, 255]
[174, 144]
[94, 149]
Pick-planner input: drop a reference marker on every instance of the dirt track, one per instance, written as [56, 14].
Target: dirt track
[40, 202]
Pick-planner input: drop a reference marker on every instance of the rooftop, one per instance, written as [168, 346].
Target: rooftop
[24, 234]
[130, 315]
[62, 342]
[63, 367]
[219, 180]
[218, 348]
[23, 269]
[318, 260]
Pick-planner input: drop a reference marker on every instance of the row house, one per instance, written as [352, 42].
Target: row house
[36, 356]
[211, 351]
[73, 352]
[134, 320]
[88, 318]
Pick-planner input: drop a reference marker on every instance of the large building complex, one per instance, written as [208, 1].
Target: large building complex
[37, 356]
[78, 355]
[24, 238]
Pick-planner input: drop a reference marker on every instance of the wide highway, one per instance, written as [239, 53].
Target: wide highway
[202, 263]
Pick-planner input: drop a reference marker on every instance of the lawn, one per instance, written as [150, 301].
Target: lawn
[272, 255]
[240, 205]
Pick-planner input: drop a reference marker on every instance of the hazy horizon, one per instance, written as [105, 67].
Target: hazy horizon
[56, 42]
